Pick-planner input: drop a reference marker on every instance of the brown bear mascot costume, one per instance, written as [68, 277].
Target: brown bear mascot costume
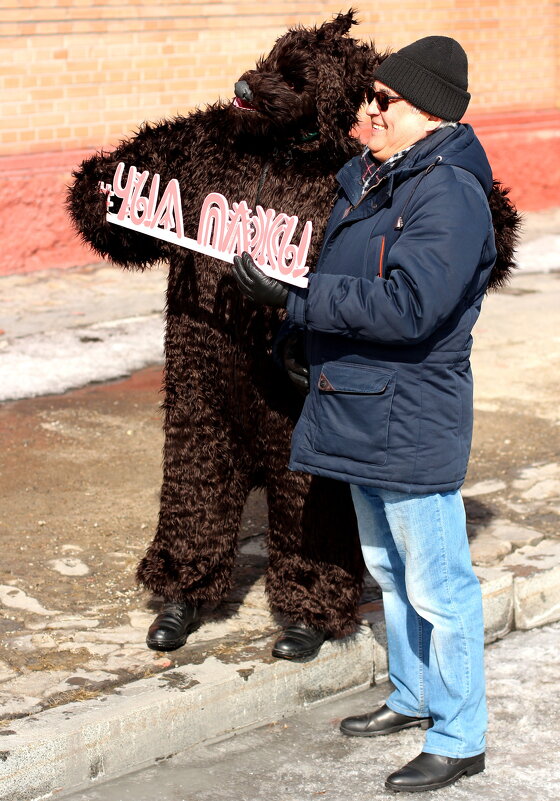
[229, 406]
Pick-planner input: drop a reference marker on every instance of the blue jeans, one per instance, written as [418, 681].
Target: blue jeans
[416, 548]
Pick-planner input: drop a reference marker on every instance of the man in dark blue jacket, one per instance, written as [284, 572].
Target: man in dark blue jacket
[388, 314]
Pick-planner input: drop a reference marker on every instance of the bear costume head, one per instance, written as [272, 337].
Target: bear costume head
[311, 85]
[296, 109]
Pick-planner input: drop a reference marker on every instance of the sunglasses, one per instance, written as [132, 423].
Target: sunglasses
[382, 99]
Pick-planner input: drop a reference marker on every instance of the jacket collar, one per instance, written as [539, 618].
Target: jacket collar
[458, 146]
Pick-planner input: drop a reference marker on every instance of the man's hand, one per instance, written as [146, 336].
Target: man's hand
[294, 362]
[257, 286]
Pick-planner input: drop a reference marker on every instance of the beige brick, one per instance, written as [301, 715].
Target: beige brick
[91, 45]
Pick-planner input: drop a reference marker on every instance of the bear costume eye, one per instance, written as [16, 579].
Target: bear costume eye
[292, 74]
[294, 82]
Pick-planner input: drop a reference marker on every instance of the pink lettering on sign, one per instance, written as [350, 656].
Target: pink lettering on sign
[267, 236]
[141, 211]
[223, 231]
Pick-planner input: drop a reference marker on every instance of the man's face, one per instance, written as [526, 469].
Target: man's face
[398, 127]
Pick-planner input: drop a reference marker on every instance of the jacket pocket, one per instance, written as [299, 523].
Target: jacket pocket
[353, 410]
[374, 257]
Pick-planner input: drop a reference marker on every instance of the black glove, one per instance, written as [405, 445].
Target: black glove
[257, 286]
[294, 362]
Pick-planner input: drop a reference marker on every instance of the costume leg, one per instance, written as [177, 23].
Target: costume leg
[408, 635]
[430, 535]
[315, 572]
[193, 552]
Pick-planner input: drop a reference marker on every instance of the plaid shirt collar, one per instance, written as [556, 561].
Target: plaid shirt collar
[374, 171]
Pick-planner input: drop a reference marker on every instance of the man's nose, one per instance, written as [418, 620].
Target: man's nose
[242, 91]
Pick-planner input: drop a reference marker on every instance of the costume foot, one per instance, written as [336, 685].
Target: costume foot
[382, 721]
[432, 771]
[172, 626]
[298, 641]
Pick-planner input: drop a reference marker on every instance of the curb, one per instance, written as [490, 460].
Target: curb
[521, 593]
[67, 748]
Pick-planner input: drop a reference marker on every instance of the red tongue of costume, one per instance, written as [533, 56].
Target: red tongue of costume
[239, 103]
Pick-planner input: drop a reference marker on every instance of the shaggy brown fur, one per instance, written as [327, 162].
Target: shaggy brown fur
[229, 411]
[507, 222]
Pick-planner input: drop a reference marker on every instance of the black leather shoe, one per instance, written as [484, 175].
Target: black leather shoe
[382, 721]
[172, 626]
[432, 771]
[298, 642]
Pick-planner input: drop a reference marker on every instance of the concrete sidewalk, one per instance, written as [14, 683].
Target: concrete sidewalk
[81, 697]
[305, 756]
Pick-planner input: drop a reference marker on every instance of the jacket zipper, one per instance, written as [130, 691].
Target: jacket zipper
[363, 197]
[400, 220]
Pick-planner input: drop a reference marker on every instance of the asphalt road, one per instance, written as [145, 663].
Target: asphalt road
[305, 757]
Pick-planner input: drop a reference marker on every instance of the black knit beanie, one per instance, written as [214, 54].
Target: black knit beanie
[432, 74]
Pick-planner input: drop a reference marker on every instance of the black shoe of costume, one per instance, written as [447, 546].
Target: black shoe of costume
[172, 626]
[382, 721]
[298, 641]
[432, 771]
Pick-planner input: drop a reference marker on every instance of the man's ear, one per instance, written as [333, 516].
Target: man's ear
[432, 123]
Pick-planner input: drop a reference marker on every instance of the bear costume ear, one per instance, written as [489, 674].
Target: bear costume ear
[340, 25]
[335, 117]
[345, 69]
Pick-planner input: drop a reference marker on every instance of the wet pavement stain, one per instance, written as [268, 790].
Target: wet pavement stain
[245, 673]
[177, 681]
[79, 491]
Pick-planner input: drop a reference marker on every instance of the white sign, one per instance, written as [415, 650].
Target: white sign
[223, 231]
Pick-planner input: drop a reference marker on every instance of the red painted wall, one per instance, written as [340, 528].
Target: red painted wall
[523, 148]
[36, 232]
[524, 151]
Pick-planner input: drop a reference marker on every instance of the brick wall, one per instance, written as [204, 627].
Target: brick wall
[80, 74]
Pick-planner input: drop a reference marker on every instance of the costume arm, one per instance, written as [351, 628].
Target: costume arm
[431, 266]
[153, 148]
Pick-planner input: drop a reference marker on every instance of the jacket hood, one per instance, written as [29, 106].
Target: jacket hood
[457, 147]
